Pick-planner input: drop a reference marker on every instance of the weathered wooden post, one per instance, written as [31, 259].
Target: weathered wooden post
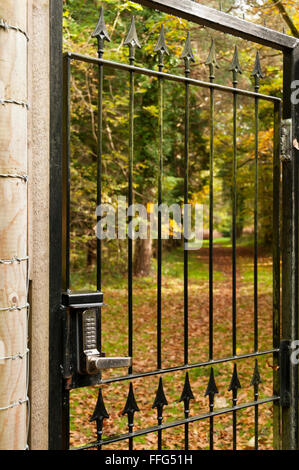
[13, 224]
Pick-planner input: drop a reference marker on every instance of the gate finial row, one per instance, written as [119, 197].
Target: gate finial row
[131, 407]
[161, 49]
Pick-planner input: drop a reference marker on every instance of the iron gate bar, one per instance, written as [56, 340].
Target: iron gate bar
[188, 57]
[161, 49]
[171, 77]
[276, 268]
[66, 175]
[220, 21]
[189, 366]
[290, 248]
[235, 68]
[257, 74]
[132, 42]
[212, 64]
[173, 424]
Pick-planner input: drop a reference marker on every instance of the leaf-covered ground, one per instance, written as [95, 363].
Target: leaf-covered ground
[145, 319]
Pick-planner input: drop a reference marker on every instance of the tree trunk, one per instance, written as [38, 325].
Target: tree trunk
[143, 257]
[13, 226]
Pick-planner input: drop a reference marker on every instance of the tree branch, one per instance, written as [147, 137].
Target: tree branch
[282, 10]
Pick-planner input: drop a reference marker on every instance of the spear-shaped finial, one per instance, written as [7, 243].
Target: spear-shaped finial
[257, 72]
[132, 41]
[187, 395]
[161, 48]
[256, 379]
[235, 385]
[160, 401]
[101, 33]
[130, 408]
[212, 389]
[187, 54]
[100, 413]
[212, 61]
[235, 67]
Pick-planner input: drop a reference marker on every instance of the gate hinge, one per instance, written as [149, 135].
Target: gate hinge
[285, 370]
[286, 140]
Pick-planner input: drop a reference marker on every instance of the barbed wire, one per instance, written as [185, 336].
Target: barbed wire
[21, 177]
[13, 405]
[15, 356]
[5, 101]
[6, 26]
[14, 308]
[13, 260]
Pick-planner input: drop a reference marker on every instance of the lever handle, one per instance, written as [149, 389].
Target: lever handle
[96, 363]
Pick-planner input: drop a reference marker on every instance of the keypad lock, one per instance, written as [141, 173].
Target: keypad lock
[83, 356]
[94, 361]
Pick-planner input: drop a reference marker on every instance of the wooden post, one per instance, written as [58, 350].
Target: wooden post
[38, 163]
[13, 224]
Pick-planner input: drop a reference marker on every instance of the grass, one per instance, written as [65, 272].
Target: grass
[114, 338]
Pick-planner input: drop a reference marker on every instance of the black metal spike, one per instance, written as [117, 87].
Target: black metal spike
[130, 409]
[187, 54]
[235, 385]
[101, 33]
[131, 406]
[132, 40]
[235, 382]
[161, 48]
[256, 378]
[212, 61]
[212, 389]
[257, 72]
[100, 413]
[187, 393]
[159, 403]
[160, 400]
[235, 67]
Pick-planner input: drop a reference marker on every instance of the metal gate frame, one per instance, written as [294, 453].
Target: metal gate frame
[192, 11]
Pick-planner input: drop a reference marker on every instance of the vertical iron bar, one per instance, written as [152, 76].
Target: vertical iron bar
[187, 432]
[290, 249]
[66, 175]
[276, 269]
[160, 197]
[186, 191]
[211, 229]
[256, 419]
[130, 198]
[211, 423]
[234, 227]
[234, 421]
[256, 390]
[256, 223]
[99, 170]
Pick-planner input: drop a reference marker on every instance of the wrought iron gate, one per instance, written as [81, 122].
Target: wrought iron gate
[75, 324]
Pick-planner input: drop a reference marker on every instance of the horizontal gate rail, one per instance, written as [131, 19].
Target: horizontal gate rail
[220, 21]
[181, 422]
[190, 366]
[170, 77]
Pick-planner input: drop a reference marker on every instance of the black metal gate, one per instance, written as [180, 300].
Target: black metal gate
[76, 357]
